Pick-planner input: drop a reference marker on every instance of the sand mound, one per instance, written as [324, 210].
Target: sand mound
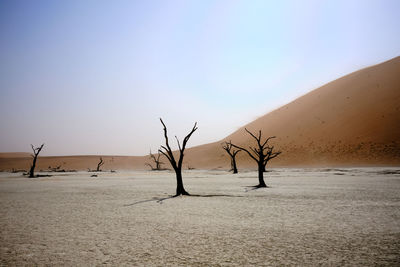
[354, 120]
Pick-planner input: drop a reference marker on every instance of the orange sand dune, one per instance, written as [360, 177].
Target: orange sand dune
[14, 155]
[352, 121]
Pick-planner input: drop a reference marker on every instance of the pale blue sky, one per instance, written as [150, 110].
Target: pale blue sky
[93, 77]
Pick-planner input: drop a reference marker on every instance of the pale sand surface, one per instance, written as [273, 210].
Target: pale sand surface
[308, 217]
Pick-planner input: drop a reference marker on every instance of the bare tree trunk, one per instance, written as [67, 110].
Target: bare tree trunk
[234, 167]
[36, 152]
[32, 170]
[101, 163]
[263, 168]
[261, 182]
[180, 190]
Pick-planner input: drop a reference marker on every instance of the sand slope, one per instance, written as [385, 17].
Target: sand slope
[354, 120]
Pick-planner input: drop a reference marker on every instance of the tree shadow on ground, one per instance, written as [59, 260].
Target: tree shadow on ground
[249, 188]
[160, 200]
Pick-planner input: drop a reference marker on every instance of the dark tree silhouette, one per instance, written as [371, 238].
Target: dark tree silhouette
[261, 154]
[157, 162]
[101, 163]
[227, 146]
[177, 166]
[36, 152]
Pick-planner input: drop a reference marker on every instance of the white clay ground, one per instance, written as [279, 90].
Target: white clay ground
[308, 217]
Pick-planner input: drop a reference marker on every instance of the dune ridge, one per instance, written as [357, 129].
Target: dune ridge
[354, 120]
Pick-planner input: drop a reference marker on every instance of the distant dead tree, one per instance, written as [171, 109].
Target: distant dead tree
[227, 146]
[101, 163]
[157, 162]
[36, 152]
[177, 166]
[261, 154]
[56, 169]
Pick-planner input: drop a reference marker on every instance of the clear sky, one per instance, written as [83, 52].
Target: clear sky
[93, 77]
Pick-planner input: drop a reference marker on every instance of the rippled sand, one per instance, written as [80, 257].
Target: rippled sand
[307, 217]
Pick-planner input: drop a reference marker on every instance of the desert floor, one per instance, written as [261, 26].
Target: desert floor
[307, 217]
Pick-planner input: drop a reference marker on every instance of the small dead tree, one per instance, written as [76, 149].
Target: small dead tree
[101, 163]
[261, 154]
[227, 146]
[36, 152]
[177, 166]
[157, 162]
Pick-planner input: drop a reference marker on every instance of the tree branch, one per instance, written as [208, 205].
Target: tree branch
[148, 164]
[228, 147]
[185, 140]
[152, 156]
[269, 138]
[179, 144]
[235, 152]
[165, 154]
[166, 136]
[257, 139]
[241, 148]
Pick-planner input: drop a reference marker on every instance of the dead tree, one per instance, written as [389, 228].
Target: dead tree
[177, 166]
[261, 154]
[157, 162]
[101, 163]
[227, 146]
[36, 152]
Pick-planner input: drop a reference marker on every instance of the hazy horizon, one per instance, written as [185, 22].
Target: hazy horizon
[93, 77]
